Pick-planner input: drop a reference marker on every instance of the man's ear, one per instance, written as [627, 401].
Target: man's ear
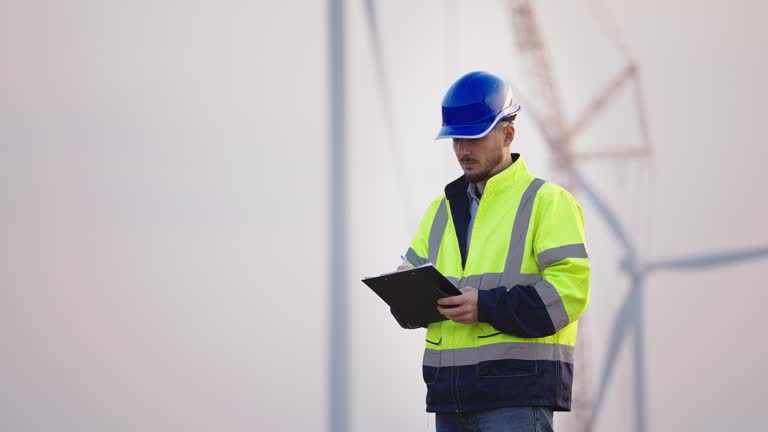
[509, 135]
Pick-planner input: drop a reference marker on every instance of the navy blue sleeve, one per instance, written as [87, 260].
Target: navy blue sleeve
[519, 311]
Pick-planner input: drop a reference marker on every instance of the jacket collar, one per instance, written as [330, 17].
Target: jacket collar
[456, 192]
[513, 175]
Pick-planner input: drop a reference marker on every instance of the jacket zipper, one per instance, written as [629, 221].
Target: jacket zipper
[455, 369]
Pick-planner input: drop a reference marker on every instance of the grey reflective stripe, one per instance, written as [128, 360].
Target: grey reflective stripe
[513, 276]
[482, 281]
[519, 233]
[488, 281]
[498, 351]
[436, 232]
[554, 304]
[414, 258]
[551, 256]
[526, 279]
[453, 280]
[431, 358]
[510, 280]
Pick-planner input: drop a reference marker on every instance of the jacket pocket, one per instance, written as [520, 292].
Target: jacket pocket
[506, 368]
[430, 367]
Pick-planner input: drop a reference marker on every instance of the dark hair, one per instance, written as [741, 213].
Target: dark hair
[510, 118]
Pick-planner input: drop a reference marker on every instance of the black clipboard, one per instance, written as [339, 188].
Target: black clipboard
[412, 294]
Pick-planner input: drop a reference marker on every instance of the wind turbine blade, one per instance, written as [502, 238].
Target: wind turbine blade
[382, 79]
[622, 323]
[608, 216]
[708, 261]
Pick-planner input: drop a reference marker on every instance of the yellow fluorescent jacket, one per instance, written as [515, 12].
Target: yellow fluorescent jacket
[528, 259]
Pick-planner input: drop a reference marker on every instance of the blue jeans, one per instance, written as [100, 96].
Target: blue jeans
[513, 419]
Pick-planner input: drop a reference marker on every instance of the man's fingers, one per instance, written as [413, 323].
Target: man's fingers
[459, 299]
[461, 308]
[447, 312]
[460, 318]
[451, 301]
[452, 312]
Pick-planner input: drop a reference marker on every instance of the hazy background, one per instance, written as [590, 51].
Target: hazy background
[164, 188]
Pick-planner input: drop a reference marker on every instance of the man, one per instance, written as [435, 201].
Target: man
[514, 245]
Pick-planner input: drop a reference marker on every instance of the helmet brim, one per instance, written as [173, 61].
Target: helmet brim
[470, 131]
[475, 130]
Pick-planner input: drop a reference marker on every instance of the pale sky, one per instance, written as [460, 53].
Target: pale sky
[163, 197]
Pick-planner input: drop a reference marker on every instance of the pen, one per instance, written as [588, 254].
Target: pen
[406, 262]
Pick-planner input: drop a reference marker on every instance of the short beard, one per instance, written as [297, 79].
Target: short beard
[478, 177]
[486, 174]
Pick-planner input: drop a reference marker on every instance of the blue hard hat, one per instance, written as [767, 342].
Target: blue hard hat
[474, 104]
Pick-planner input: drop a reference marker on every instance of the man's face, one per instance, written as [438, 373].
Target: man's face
[480, 158]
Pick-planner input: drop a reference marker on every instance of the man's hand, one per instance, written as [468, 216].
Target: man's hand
[461, 308]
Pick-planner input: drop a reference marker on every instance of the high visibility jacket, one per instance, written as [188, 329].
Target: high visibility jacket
[528, 259]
